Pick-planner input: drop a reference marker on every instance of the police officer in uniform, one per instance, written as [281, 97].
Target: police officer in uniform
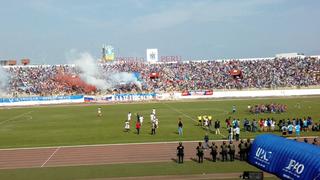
[232, 150]
[242, 148]
[214, 152]
[224, 151]
[180, 152]
[315, 141]
[200, 152]
[248, 147]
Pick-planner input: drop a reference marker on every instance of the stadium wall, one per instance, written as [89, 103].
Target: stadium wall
[240, 94]
[40, 100]
[200, 95]
[122, 97]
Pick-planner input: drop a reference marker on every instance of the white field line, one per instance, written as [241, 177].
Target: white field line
[124, 144]
[29, 116]
[50, 156]
[178, 111]
[106, 163]
[16, 117]
[186, 115]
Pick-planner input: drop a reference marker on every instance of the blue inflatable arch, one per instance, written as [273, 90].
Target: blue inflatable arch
[285, 158]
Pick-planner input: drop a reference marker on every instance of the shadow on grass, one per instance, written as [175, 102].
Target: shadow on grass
[174, 160]
[194, 160]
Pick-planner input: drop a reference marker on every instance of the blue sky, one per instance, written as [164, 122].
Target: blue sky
[47, 30]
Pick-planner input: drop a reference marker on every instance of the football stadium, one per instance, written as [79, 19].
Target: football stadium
[115, 117]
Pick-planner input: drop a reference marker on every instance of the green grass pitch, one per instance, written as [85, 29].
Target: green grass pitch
[79, 125]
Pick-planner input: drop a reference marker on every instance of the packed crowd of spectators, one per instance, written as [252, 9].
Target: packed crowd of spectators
[270, 124]
[38, 80]
[268, 108]
[274, 73]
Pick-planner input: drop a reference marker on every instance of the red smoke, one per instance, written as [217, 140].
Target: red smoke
[74, 82]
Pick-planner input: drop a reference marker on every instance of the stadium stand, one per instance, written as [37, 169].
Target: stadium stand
[169, 77]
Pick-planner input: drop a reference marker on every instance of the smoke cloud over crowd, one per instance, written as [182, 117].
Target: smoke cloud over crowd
[93, 74]
[4, 78]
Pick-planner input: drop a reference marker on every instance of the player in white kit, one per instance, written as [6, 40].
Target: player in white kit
[129, 116]
[127, 126]
[152, 117]
[141, 120]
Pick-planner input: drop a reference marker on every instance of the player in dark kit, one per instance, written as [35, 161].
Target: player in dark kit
[180, 152]
[200, 152]
[214, 152]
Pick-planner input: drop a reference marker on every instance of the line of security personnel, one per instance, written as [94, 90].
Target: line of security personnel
[230, 149]
[227, 151]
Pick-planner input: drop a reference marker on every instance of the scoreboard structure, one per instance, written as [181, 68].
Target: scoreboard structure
[108, 53]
